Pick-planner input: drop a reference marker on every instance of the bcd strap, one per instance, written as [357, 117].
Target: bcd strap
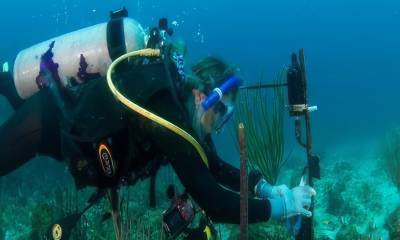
[50, 117]
[116, 38]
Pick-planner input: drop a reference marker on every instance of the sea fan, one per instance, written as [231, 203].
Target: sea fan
[262, 114]
[391, 156]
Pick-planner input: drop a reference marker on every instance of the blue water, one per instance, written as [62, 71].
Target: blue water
[352, 52]
[352, 47]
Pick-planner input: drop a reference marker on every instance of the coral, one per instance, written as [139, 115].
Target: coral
[369, 196]
[390, 153]
[348, 232]
[147, 226]
[336, 204]
[137, 220]
[342, 166]
[66, 202]
[264, 128]
[393, 224]
[271, 230]
[42, 217]
[2, 232]
[364, 202]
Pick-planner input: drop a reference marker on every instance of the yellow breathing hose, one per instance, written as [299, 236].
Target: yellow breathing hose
[142, 111]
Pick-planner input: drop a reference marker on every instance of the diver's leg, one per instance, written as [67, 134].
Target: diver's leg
[8, 89]
[28, 132]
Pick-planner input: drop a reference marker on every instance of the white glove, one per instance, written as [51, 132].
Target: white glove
[293, 202]
[298, 200]
[264, 190]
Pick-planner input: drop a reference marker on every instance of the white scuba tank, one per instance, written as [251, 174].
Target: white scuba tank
[93, 43]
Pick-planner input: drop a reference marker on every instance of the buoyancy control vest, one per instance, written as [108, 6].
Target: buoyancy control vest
[99, 128]
[96, 134]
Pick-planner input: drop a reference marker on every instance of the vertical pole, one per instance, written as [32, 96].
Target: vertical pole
[243, 184]
[115, 212]
[307, 113]
[307, 231]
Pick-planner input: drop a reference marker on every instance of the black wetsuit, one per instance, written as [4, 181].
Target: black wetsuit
[137, 145]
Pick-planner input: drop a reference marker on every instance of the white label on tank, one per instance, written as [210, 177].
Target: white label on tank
[5, 67]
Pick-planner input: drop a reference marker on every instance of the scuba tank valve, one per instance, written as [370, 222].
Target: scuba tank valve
[5, 67]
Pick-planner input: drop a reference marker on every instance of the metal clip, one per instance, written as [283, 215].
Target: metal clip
[312, 108]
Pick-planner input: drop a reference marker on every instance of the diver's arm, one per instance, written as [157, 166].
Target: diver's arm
[32, 129]
[221, 204]
[229, 176]
[225, 173]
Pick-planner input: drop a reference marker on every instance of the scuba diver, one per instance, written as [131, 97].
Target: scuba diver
[115, 118]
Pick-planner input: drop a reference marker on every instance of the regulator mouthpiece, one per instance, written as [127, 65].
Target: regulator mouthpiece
[217, 94]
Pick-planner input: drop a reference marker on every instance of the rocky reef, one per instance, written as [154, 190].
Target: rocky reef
[352, 202]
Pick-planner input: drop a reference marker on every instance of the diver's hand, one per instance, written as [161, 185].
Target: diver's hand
[279, 191]
[293, 202]
[264, 190]
[298, 200]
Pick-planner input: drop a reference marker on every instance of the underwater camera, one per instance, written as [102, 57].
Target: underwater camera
[296, 88]
[179, 215]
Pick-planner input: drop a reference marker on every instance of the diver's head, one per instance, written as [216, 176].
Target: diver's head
[214, 87]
